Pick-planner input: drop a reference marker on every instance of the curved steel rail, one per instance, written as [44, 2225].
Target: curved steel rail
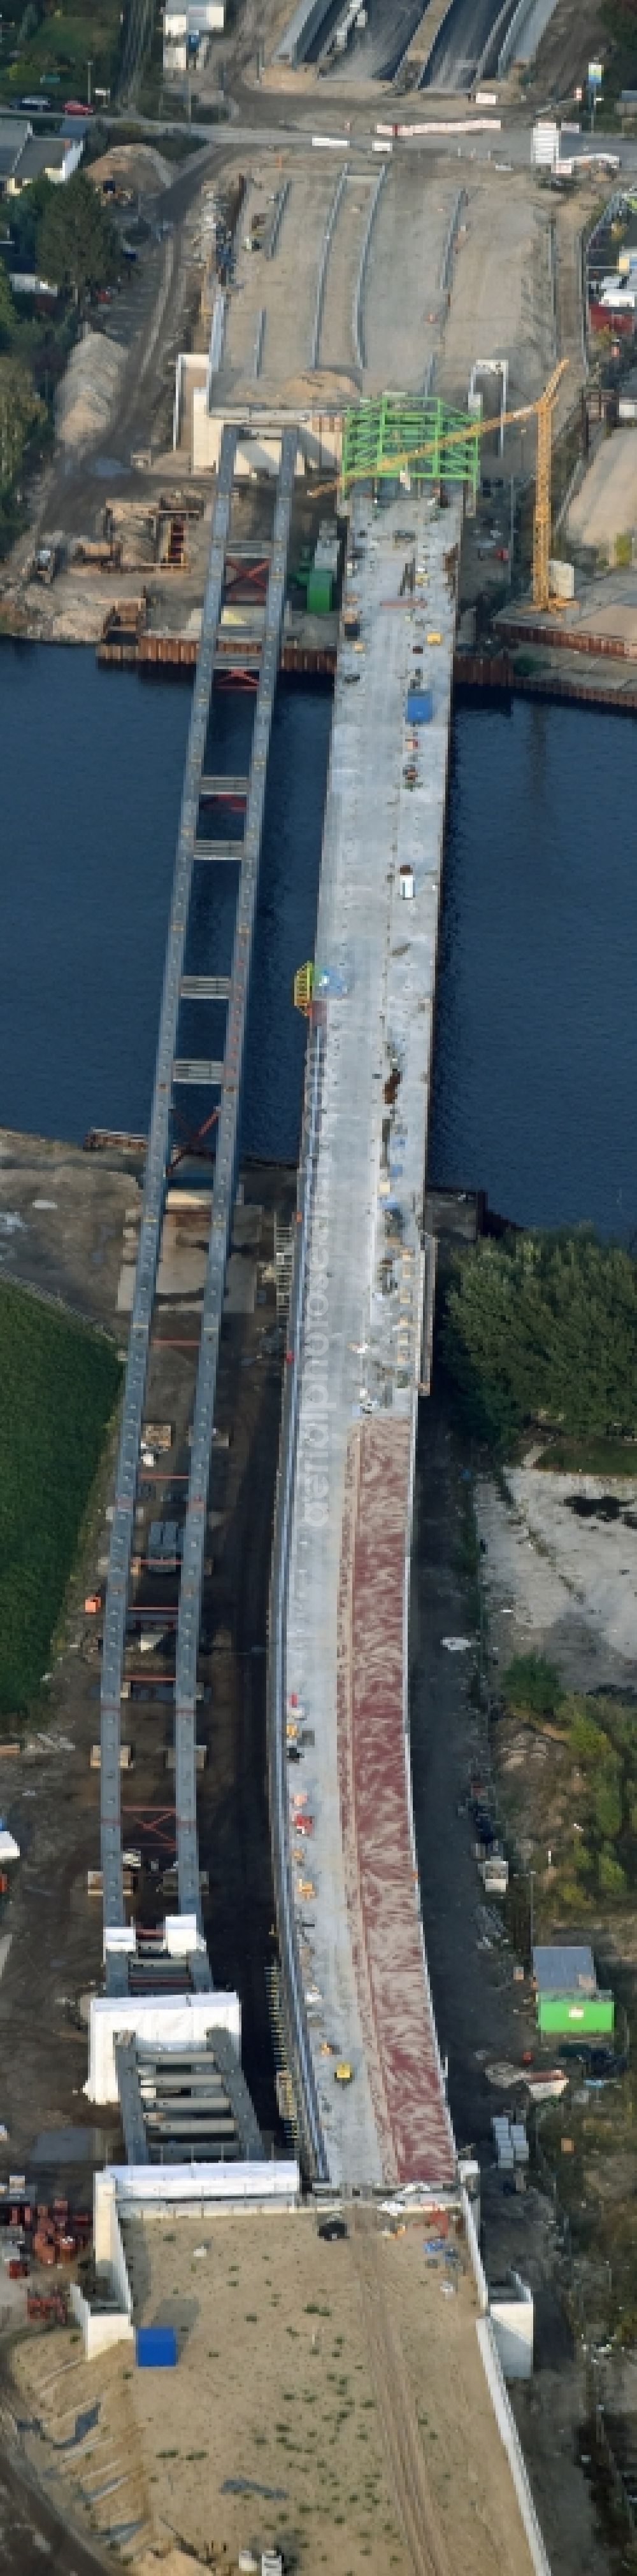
[221, 1214]
[152, 1213]
[311, 2140]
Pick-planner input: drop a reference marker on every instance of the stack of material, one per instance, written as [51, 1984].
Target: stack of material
[511, 2143]
[503, 2144]
[519, 2142]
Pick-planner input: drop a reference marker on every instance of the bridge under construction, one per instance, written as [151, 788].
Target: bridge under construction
[365, 2093]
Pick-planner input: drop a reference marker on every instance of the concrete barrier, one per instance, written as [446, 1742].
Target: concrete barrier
[509, 2435]
[103, 2325]
[357, 308]
[311, 2142]
[332, 219]
[445, 265]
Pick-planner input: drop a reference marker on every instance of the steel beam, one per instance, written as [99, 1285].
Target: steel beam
[217, 850]
[220, 785]
[205, 988]
[222, 1204]
[154, 1197]
[199, 1069]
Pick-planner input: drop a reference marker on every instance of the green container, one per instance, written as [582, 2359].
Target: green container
[575, 2015]
[319, 594]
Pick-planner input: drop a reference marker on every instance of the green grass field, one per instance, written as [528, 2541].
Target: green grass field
[58, 1388]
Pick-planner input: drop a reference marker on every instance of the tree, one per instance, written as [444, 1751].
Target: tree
[26, 211]
[76, 243]
[20, 412]
[542, 1329]
[8, 315]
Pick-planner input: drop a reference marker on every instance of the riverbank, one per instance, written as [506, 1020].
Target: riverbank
[547, 673]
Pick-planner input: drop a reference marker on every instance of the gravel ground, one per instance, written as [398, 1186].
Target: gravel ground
[562, 1581]
[291, 2431]
[605, 506]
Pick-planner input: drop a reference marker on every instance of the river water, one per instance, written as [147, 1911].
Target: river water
[536, 1035]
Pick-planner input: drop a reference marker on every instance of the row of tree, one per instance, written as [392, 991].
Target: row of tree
[64, 235]
[541, 1329]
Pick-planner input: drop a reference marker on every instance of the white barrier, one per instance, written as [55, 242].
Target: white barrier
[237, 2184]
[509, 2435]
[477, 2266]
[444, 125]
[102, 2326]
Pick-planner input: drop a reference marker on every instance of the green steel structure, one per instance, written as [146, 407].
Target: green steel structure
[437, 444]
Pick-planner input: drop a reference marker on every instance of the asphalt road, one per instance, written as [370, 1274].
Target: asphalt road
[256, 124]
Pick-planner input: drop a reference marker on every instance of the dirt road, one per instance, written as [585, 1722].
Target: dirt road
[394, 2400]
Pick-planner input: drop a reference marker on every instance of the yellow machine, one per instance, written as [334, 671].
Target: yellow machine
[303, 987]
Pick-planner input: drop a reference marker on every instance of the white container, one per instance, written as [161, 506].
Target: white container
[561, 579]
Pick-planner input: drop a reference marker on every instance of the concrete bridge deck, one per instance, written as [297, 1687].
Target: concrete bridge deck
[353, 1936]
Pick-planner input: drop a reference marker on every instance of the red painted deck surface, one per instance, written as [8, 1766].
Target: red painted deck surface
[382, 1891]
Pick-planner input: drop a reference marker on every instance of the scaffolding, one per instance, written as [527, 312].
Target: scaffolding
[394, 435]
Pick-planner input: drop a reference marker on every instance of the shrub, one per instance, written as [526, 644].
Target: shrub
[612, 1878]
[532, 1686]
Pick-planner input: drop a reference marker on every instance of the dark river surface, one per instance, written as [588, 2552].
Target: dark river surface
[536, 1035]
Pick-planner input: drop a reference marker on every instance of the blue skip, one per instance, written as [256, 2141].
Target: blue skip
[156, 2348]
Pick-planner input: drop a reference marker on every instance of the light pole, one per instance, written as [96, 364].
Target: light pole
[531, 1914]
[89, 68]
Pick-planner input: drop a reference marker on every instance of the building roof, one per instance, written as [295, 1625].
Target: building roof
[42, 152]
[14, 129]
[564, 1968]
[14, 133]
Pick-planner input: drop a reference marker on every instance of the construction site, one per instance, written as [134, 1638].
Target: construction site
[334, 477]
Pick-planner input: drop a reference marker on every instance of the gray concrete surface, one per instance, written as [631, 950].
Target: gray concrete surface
[378, 956]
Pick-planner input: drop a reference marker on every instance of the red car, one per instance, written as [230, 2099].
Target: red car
[74, 107]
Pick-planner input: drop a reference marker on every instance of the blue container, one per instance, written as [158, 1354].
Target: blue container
[156, 2348]
[420, 706]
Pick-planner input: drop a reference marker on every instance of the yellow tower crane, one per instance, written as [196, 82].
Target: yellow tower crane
[542, 512]
[540, 410]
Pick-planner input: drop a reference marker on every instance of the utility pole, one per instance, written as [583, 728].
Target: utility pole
[89, 68]
[531, 1914]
